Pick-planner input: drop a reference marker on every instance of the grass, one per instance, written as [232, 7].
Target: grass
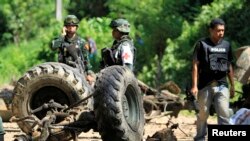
[15, 60]
[188, 113]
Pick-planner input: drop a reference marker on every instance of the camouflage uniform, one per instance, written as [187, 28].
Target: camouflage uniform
[122, 51]
[63, 43]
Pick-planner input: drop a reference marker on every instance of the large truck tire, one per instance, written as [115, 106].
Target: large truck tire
[40, 84]
[118, 105]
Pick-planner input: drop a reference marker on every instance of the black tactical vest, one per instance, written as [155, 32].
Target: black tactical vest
[216, 56]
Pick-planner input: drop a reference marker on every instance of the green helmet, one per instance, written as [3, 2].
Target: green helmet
[71, 20]
[121, 25]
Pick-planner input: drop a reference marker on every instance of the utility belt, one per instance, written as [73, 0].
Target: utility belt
[214, 83]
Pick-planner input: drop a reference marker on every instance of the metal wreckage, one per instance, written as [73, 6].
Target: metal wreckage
[54, 102]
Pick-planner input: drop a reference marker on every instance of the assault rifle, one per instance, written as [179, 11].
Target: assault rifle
[190, 98]
[77, 55]
[107, 58]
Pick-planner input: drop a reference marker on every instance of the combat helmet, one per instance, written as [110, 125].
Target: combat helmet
[121, 25]
[71, 20]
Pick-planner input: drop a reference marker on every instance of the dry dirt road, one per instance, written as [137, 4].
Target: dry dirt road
[185, 132]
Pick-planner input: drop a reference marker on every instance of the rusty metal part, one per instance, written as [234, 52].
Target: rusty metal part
[74, 121]
[146, 89]
[47, 121]
[166, 134]
[171, 87]
[51, 104]
[79, 102]
[157, 114]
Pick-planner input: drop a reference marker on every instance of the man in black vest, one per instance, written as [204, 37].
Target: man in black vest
[122, 51]
[212, 64]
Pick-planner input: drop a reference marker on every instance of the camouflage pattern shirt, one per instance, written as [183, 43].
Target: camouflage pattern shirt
[124, 52]
[61, 43]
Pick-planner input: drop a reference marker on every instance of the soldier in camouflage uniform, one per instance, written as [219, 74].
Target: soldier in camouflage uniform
[68, 40]
[122, 51]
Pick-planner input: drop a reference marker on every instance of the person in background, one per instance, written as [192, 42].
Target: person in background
[139, 39]
[212, 64]
[122, 51]
[92, 47]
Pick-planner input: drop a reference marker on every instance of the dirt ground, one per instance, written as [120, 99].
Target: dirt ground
[185, 132]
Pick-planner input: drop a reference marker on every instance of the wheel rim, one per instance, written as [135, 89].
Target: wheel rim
[131, 107]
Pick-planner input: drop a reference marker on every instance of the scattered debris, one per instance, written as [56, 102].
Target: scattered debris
[6, 94]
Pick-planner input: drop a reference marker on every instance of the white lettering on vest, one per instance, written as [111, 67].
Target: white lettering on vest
[218, 50]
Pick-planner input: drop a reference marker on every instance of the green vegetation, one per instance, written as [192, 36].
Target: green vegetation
[14, 61]
[164, 32]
